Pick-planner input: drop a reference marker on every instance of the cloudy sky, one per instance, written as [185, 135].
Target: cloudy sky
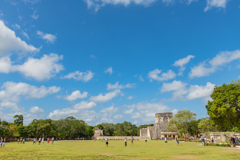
[114, 60]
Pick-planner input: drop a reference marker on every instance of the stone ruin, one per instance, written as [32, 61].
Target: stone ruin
[159, 129]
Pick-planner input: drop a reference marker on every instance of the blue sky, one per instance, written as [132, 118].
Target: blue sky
[111, 61]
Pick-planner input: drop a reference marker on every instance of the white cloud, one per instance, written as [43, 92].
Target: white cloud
[88, 116]
[118, 116]
[141, 78]
[174, 86]
[10, 44]
[40, 69]
[104, 98]
[16, 26]
[75, 95]
[31, 1]
[84, 105]
[9, 105]
[129, 111]
[92, 56]
[117, 86]
[34, 15]
[163, 77]
[5, 64]
[109, 110]
[215, 3]
[204, 68]
[130, 97]
[196, 91]
[1, 13]
[12, 91]
[83, 76]
[25, 34]
[109, 70]
[97, 4]
[36, 109]
[46, 36]
[181, 62]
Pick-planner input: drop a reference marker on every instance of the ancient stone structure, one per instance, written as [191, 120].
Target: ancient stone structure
[220, 136]
[97, 133]
[159, 129]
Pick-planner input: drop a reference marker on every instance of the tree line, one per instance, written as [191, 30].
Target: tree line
[223, 115]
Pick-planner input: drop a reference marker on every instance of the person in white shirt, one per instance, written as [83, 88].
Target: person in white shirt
[107, 142]
[146, 139]
[42, 141]
[125, 142]
[165, 141]
[39, 141]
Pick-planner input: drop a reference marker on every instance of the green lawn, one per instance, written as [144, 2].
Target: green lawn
[116, 150]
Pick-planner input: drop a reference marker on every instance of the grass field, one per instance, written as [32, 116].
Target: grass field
[116, 150]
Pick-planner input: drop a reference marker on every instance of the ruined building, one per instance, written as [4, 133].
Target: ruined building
[159, 129]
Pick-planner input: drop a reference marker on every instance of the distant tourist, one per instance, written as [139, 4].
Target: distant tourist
[177, 141]
[48, 141]
[23, 140]
[146, 139]
[39, 141]
[42, 141]
[52, 140]
[132, 140]
[4, 141]
[34, 141]
[212, 140]
[125, 142]
[165, 141]
[107, 142]
[203, 141]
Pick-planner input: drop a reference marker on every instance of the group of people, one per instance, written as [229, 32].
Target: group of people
[132, 139]
[42, 140]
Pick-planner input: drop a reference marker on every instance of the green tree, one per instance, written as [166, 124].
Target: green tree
[224, 109]
[182, 121]
[89, 132]
[18, 120]
[100, 126]
[22, 130]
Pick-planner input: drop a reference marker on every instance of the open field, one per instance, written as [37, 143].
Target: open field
[116, 150]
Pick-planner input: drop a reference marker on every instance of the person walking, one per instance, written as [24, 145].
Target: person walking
[48, 141]
[34, 141]
[177, 141]
[203, 141]
[146, 139]
[165, 141]
[125, 142]
[4, 141]
[39, 141]
[42, 141]
[132, 140]
[107, 141]
[52, 140]
[23, 140]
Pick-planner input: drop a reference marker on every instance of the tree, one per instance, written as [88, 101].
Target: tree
[182, 121]
[18, 120]
[224, 109]
[99, 126]
[89, 131]
[22, 130]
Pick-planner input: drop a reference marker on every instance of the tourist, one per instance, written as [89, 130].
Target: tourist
[146, 139]
[52, 140]
[42, 141]
[23, 141]
[203, 141]
[177, 141]
[1, 142]
[107, 142]
[125, 142]
[39, 141]
[132, 140]
[34, 141]
[4, 141]
[48, 141]
[212, 140]
[165, 141]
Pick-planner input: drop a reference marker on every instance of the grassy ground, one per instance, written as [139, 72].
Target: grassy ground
[117, 150]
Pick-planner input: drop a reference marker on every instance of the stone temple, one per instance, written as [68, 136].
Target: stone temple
[159, 129]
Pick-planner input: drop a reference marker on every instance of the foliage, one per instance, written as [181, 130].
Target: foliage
[18, 120]
[206, 125]
[182, 122]
[224, 109]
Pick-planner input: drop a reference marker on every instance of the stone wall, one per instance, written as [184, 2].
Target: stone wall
[118, 137]
[143, 132]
